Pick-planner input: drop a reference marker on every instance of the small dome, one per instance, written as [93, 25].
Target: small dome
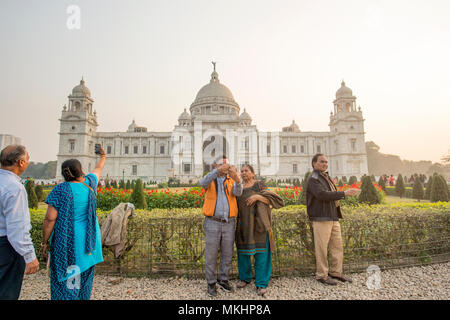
[81, 90]
[132, 126]
[292, 128]
[184, 116]
[344, 91]
[245, 116]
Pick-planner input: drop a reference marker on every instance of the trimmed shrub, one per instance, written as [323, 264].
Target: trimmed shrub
[138, 197]
[39, 193]
[352, 180]
[417, 191]
[32, 198]
[368, 193]
[302, 199]
[400, 186]
[428, 188]
[439, 190]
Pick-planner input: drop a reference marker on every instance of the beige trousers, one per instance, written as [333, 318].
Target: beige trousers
[327, 237]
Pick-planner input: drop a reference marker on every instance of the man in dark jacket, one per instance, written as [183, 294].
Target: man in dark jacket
[324, 211]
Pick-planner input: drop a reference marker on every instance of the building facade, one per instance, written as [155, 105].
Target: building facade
[7, 139]
[214, 125]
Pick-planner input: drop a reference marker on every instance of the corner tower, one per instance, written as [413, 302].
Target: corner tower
[78, 127]
[347, 136]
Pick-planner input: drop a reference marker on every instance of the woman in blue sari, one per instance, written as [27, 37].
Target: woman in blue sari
[71, 232]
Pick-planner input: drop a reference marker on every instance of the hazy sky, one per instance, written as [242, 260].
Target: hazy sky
[282, 60]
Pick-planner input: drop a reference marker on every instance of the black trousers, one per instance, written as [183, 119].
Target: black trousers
[12, 268]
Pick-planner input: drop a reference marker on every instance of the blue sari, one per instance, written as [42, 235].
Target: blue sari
[64, 279]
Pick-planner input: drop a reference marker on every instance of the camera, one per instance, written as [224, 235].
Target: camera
[97, 148]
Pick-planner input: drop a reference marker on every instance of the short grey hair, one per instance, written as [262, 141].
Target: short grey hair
[11, 157]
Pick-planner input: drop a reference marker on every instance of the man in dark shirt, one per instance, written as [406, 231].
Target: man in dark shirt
[324, 211]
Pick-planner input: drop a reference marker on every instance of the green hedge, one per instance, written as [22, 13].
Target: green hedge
[171, 242]
[390, 191]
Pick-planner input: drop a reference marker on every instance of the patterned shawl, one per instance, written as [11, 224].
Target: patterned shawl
[62, 242]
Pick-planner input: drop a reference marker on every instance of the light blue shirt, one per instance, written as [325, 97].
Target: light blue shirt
[222, 210]
[15, 215]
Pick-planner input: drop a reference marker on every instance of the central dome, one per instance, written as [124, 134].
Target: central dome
[214, 89]
[215, 102]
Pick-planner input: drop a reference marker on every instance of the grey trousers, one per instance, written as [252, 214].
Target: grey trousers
[218, 235]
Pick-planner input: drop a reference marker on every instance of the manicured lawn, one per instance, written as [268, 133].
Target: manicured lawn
[392, 199]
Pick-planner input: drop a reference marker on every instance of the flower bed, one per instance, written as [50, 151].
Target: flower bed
[109, 198]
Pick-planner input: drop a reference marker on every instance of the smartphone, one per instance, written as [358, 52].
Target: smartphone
[97, 148]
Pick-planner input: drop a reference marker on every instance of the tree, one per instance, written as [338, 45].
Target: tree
[382, 183]
[417, 192]
[429, 186]
[302, 198]
[39, 192]
[114, 184]
[439, 189]
[37, 170]
[352, 180]
[372, 177]
[122, 184]
[340, 184]
[128, 185]
[107, 184]
[138, 196]
[344, 180]
[32, 198]
[368, 193]
[400, 186]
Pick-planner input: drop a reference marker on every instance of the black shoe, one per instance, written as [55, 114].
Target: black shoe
[212, 290]
[225, 285]
[342, 278]
[328, 281]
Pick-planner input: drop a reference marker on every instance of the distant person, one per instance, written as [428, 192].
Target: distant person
[17, 253]
[391, 180]
[324, 211]
[222, 186]
[71, 231]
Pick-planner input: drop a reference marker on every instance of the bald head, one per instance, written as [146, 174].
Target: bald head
[14, 156]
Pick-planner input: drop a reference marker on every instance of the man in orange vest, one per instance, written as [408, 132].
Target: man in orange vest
[222, 186]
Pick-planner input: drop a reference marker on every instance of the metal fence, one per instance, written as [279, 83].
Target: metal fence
[175, 246]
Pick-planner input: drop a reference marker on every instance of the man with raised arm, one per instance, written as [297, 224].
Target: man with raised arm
[222, 186]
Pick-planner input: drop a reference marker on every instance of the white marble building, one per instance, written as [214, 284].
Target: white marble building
[213, 124]
[7, 139]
